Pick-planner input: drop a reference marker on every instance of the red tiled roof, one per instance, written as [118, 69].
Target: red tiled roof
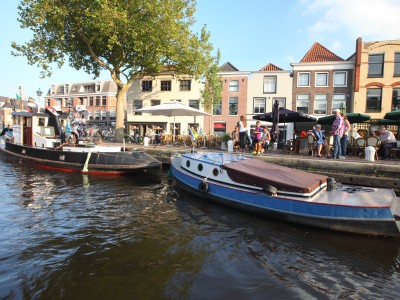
[319, 53]
[271, 67]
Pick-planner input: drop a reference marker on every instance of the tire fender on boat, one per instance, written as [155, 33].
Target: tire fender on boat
[203, 187]
[269, 189]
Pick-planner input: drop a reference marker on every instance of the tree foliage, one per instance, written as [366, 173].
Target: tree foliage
[128, 38]
[211, 95]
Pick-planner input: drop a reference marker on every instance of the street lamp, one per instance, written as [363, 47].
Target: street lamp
[39, 93]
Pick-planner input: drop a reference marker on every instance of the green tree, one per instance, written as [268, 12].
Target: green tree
[128, 38]
[211, 95]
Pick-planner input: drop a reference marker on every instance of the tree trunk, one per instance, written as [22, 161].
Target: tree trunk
[120, 113]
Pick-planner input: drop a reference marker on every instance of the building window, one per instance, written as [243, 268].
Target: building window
[59, 102]
[147, 86]
[338, 101]
[281, 101]
[88, 88]
[74, 88]
[340, 79]
[303, 103]
[184, 85]
[194, 104]
[396, 99]
[165, 85]
[375, 65]
[97, 100]
[234, 86]
[233, 106]
[155, 102]
[303, 79]
[66, 89]
[259, 105]
[91, 101]
[374, 97]
[396, 64]
[98, 87]
[104, 101]
[137, 104]
[61, 89]
[112, 115]
[321, 79]
[269, 84]
[103, 115]
[320, 104]
[217, 110]
[97, 115]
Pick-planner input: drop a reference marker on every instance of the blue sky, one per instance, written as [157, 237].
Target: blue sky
[250, 34]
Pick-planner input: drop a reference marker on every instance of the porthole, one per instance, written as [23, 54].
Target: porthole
[200, 167]
[215, 172]
[188, 163]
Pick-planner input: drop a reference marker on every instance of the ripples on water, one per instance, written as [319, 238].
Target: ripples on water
[68, 236]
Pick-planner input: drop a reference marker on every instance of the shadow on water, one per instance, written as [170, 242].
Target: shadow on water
[71, 236]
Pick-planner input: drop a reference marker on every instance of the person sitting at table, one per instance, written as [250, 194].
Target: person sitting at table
[235, 138]
[388, 141]
[320, 139]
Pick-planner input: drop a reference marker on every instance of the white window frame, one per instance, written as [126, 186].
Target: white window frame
[298, 79]
[335, 84]
[308, 99]
[316, 79]
[337, 100]
[316, 96]
[270, 84]
[234, 87]
[261, 105]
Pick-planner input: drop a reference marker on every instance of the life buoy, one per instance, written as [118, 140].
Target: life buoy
[269, 189]
[203, 187]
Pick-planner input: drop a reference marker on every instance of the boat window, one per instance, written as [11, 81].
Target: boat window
[200, 167]
[188, 163]
[215, 172]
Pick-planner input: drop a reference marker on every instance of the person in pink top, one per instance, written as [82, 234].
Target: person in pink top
[337, 131]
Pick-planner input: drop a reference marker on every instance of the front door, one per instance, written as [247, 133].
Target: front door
[27, 131]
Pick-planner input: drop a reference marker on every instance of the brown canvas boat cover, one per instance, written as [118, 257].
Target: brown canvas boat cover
[259, 173]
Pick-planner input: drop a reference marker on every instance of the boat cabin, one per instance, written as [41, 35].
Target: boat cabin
[38, 129]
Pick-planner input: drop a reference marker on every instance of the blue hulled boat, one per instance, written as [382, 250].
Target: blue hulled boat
[287, 194]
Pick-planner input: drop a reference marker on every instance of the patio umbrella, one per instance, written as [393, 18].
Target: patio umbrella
[286, 116]
[352, 117]
[172, 109]
[393, 115]
[275, 121]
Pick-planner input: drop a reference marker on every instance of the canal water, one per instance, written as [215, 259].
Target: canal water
[69, 236]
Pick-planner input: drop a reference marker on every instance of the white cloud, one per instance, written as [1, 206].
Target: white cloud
[369, 19]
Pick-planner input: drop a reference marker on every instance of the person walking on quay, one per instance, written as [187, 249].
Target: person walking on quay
[337, 131]
[345, 137]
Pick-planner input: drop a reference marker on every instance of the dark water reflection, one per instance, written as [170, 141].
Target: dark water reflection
[68, 236]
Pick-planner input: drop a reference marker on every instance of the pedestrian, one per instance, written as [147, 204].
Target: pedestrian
[345, 137]
[243, 133]
[337, 131]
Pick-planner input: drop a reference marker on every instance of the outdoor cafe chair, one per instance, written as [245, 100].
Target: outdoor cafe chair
[375, 142]
[312, 147]
[361, 143]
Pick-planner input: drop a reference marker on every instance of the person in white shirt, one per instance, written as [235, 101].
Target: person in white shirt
[388, 141]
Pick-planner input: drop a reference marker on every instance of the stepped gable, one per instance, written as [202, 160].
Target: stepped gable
[319, 53]
[228, 67]
[271, 67]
